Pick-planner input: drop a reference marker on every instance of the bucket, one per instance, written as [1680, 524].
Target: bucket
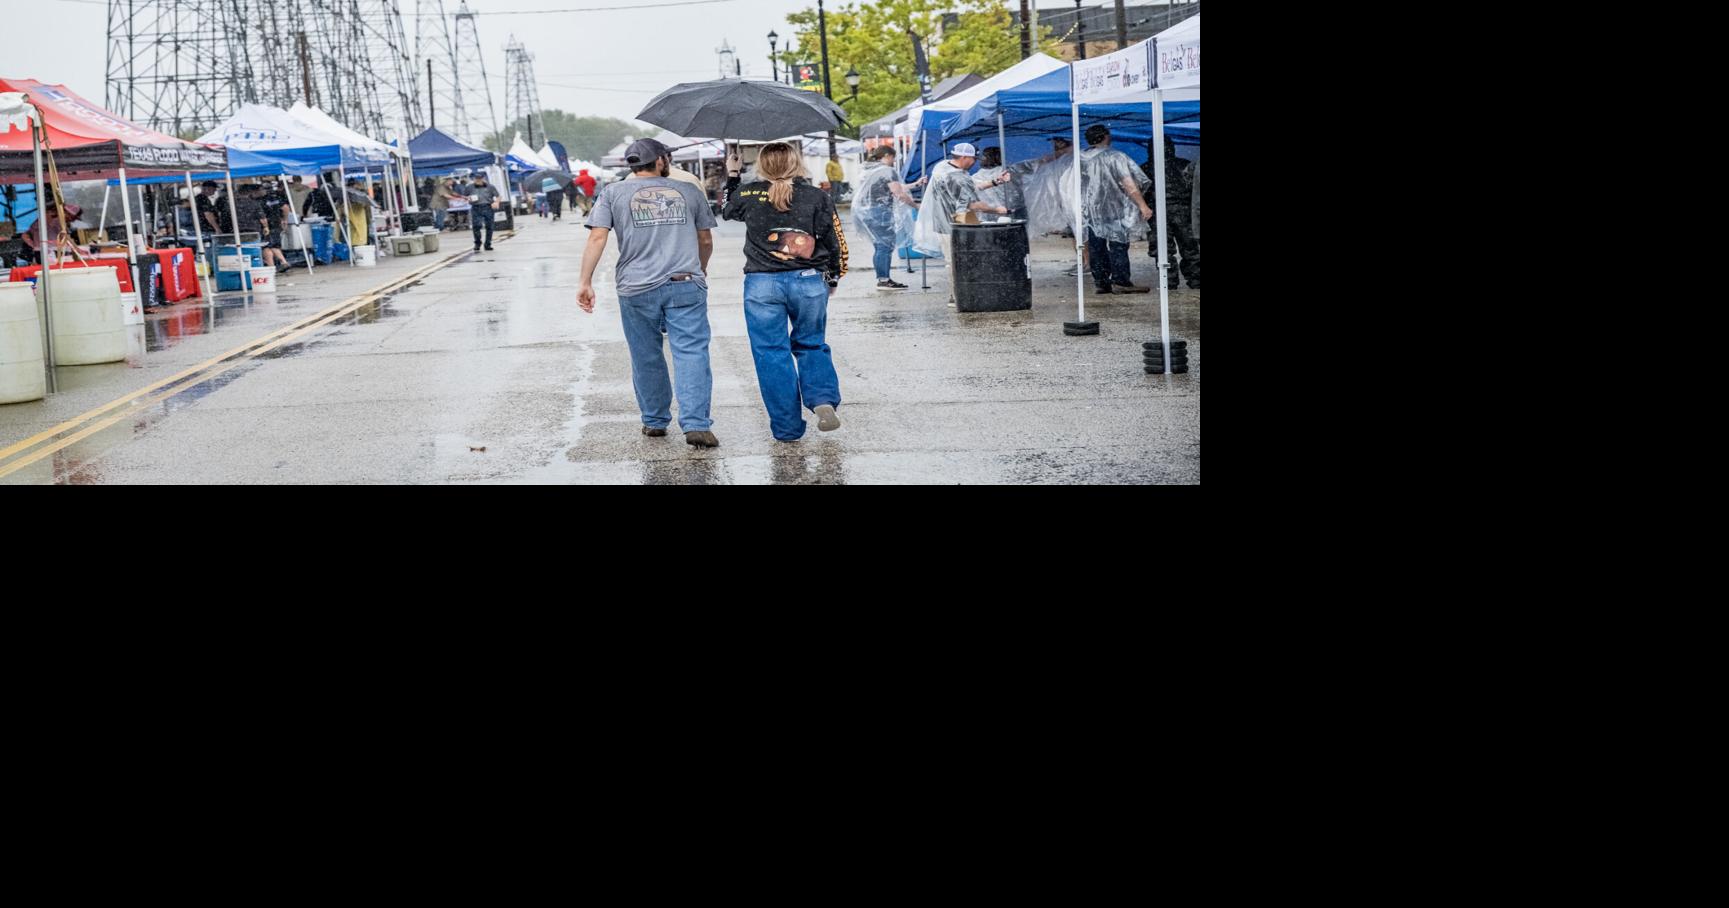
[366, 256]
[263, 279]
[131, 310]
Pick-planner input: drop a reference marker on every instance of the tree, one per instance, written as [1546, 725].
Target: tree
[584, 137]
[960, 36]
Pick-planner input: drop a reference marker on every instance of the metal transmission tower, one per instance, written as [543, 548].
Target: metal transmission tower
[178, 66]
[393, 67]
[471, 79]
[521, 94]
[435, 61]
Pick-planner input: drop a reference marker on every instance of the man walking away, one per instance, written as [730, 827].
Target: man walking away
[664, 242]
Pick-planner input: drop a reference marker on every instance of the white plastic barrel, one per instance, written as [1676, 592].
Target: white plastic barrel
[88, 325]
[21, 372]
[366, 256]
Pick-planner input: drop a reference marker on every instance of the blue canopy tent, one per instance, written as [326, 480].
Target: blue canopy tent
[436, 154]
[1037, 111]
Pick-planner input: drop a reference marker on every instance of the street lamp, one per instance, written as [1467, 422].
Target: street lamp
[773, 64]
[852, 81]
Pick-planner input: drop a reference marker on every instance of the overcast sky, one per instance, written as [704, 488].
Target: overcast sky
[606, 62]
[602, 62]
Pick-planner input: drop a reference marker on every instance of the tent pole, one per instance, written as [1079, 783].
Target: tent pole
[1160, 236]
[37, 133]
[233, 209]
[106, 189]
[294, 225]
[1002, 140]
[131, 239]
[347, 216]
[197, 228]
[325, 185]
[1080, 229]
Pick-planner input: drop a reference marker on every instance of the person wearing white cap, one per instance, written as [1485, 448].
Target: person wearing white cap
[951, 191]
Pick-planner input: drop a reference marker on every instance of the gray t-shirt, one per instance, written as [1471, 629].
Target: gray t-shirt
[483, 196]
[655, 220]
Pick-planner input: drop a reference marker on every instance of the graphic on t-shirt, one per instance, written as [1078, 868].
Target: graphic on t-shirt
[657, 206]
[794, 244]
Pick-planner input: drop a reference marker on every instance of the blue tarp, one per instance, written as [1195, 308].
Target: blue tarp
[436, 154]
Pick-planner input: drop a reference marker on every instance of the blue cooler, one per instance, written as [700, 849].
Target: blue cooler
[251, 256]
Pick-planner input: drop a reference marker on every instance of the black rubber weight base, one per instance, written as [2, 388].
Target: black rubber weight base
[1160, 362]
[1080, 329]
[1160, 370]
[1177, 343]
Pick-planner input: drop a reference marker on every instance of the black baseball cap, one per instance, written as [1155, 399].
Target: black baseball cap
[645, 151]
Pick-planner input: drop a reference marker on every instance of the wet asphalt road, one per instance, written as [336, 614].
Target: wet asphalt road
[486, 372]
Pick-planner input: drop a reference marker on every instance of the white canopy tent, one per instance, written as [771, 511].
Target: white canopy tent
[390, 153]
[1165, 67]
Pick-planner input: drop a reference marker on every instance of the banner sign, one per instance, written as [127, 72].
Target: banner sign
[1127, 71]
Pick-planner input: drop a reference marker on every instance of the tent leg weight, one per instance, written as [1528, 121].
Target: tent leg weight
[1080, 329]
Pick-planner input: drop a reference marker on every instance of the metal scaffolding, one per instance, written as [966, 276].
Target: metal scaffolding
[183, 66]
[470, 70]
[521, 94]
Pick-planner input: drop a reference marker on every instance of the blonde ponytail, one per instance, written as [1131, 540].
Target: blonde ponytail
[780, 163]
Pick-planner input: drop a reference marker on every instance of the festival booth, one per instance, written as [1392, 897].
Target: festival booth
[82, 141]
[1163, 69]
[301, 148]
[386, 156]
[437, 154]
[921, 134]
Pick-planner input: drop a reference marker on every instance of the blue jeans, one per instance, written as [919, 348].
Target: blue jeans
[438, 216]
[791, 368]
[682, 306]
[481, 217]
[882, 237]
[1110, 261]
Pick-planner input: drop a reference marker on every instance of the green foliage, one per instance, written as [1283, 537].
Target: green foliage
[982, 37]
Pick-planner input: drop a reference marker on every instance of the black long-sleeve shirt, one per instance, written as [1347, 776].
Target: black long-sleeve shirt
[807, 235]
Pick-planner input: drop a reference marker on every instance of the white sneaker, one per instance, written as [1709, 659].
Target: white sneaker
[827, 421]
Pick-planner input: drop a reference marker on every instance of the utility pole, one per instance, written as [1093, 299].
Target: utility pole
[827, 90]
[431, 97]
[1080, 31]
[1122, 27]
[306, 70]
[1026, 34]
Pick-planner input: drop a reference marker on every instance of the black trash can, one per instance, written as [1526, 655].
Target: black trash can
[992, 267]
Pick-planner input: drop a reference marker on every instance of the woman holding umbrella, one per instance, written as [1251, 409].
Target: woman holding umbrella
[795, 256]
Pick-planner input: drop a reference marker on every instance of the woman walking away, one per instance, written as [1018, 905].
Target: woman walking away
[795, 255]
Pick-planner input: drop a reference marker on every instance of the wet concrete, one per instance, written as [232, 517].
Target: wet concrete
[491, 353]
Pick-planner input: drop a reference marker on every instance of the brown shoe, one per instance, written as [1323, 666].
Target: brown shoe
[701, 439]
[653, 432]
[1129, 288]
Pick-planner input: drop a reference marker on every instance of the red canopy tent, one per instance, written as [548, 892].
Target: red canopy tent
[90, 143]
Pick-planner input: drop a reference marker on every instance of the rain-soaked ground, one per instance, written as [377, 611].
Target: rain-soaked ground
[485, 371]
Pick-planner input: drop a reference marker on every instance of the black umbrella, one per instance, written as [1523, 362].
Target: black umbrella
[736, 109]
[533, 181]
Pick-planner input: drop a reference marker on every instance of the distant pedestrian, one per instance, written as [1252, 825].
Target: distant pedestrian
[485, 201]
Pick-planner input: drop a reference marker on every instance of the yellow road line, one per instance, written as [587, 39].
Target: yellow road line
[250, 349]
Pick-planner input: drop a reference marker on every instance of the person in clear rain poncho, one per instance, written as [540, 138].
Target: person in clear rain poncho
[1050, 191]
[951, 192]
[882, 210]
[1114, 210]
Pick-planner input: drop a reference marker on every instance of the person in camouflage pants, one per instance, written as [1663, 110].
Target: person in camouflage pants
[1179, 220]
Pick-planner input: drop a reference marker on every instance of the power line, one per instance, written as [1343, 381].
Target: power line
[591, 9]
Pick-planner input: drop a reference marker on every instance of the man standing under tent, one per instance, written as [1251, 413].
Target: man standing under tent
[297, 193]
[276, 213]
[206, 209]
[952, 191]
[1113, 210]
[1179, 219]
[836, 179]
